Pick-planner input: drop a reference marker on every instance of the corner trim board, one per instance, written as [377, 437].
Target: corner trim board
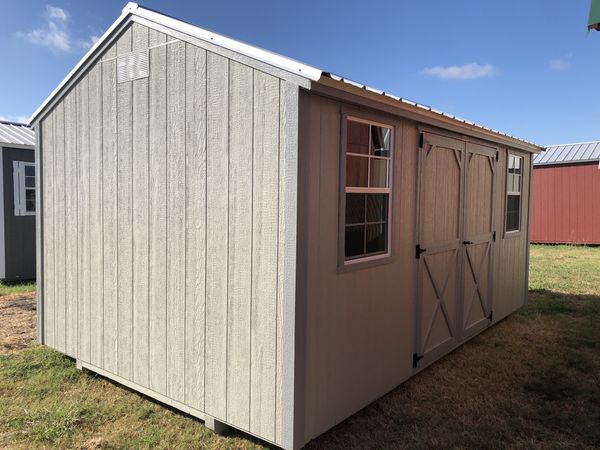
[39, 248]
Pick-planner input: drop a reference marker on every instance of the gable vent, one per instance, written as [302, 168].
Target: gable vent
[132, 66]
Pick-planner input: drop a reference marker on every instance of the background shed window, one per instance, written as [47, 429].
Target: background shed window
[513, 192]
[24, 188]
[367, 189]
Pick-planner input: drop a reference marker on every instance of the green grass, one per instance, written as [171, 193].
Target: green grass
[530, 382]
[16, 287]
[565, 269]
[45, 402]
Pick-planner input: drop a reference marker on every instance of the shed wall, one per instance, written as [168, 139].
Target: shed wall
[168, 247]
[566, 204]
[360, 323]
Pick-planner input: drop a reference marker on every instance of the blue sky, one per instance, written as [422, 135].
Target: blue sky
[528, 68]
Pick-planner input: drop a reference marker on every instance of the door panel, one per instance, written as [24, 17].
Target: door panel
[480, 174]
[439, 231]
[455, 222]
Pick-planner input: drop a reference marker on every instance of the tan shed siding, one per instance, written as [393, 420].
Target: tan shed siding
[510, 264]
[360, 324]
[168, 251]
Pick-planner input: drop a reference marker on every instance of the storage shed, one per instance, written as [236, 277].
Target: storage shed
[17, 202]
[259, 243]
[566, 194]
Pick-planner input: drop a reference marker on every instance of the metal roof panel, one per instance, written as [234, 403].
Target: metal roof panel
[16, 134]
[569, 153]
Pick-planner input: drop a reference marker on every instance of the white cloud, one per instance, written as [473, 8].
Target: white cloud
[465, 72]
[20, 119]
[55, 34]
[56, 13]
[87, 43]
[560, 64]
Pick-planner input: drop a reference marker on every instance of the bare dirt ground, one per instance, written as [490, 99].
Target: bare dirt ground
[17, 322]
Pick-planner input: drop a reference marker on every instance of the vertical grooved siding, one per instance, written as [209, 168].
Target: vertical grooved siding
[565, 204]
[124, 217]
[141, 213]
[169, 240]
[158, 203]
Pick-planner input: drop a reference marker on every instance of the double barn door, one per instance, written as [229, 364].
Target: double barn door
[455, 231]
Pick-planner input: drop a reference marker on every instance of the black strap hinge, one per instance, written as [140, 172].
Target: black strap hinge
[418, 251]
[491, 316]
[494, 236]
[497, 156]
[416, 358]
[421, 140]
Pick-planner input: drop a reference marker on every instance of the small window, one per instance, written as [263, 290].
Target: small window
[368, 190]
[24, 188]
[514, 184]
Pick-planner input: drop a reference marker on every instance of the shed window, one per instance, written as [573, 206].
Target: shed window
[368, 190]
[24, 188]
[514, 183]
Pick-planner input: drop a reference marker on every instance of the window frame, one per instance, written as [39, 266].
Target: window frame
[510, 233]
[20, 188]
[367, 260]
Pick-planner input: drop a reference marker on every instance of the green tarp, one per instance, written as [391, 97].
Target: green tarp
[594, 21]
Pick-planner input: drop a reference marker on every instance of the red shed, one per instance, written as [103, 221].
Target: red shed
[566, 194]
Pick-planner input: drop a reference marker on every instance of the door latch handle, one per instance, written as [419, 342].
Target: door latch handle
[467, 242]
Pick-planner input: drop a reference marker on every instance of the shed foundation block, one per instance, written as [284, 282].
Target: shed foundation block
[216, 425]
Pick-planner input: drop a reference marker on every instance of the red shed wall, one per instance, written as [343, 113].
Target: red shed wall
[566, 204]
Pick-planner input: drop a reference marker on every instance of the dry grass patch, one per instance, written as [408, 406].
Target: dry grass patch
[17, 319]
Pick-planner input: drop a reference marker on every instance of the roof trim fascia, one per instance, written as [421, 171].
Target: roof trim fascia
[345, 91]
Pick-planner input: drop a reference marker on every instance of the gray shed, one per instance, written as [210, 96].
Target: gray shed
[259, 243]
[17, 202]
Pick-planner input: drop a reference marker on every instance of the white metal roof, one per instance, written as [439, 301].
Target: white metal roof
[569, 153]
[13, 133]
[273, 59]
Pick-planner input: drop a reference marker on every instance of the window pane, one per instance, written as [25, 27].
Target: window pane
[513, 212]
[379, 173]
[517, 184]
[355, 241]
[357, 137]
[357, 171]
[377, 208]
[510, 182]
[376, 238]
[380, 140]
[30, 171]
[29, 182]
[30, 200]
[517, 165]
[355, 208]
